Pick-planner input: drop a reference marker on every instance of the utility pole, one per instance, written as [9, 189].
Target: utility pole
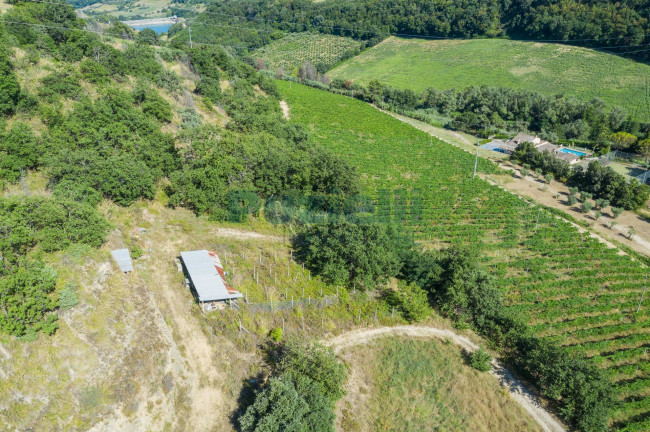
[476, 160]
[190, 30]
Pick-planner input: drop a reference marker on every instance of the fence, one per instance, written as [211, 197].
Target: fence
[290, 304]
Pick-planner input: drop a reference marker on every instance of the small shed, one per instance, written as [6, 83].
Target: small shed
[207, 278]
[123, 260]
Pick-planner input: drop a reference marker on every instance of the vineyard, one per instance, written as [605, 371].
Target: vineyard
[544, 67]
[575, 290]
[293, 50]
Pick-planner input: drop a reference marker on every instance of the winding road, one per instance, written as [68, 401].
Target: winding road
[517, 391]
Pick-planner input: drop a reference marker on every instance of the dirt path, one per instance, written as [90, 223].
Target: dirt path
[285, 109]
[517, 391]
[245, 235]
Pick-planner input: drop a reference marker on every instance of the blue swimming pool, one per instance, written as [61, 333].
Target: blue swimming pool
[573, 152]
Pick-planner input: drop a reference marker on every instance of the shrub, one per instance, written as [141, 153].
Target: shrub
[276, 334]
[480, 360]
[68, 296]
[572, 200]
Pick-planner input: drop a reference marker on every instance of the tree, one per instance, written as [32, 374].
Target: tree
[597, 215]
[548, 177]
[524, 172]
[602, 203]
[622, 140]
[19, 151]
[643, 148]
[148, 36]
[25, 301]
[316, 362]
[572, 200]
[587, 206]
[411, 300]
[278, 407]
[348, 254]
[584, 196]
[9, 86]
[616, 211]
[631, 232]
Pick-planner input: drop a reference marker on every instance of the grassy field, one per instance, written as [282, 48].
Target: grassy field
[546, 68]
[415, 385]
[575, 290]
[293, 50]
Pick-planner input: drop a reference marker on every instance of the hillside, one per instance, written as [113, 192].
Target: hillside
[293, 50]
[415, 385]
[547, 68]
[527, 249]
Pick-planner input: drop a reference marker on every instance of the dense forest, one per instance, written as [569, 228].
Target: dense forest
[620, 27]
[115, 142]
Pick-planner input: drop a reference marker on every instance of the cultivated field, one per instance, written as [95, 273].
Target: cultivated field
[293, 50]
[546, 68]
[573, 287]
[416, 385]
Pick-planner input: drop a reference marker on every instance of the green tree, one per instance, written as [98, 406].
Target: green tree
[148, 36]
[9, 86]
[25, 301]
[411, 300]
[622, 140]
[19, 151]
[348, 254]
[316, 362]
[616, 211]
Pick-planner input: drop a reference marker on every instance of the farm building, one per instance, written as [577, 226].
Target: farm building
[207, 279]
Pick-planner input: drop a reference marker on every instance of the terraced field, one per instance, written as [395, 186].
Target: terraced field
[546, 68]
[293, 50]
[574, 289]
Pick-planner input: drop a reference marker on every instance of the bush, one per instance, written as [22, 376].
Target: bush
[480, 360]
[68, 296]
[276, 334]
[9, 86]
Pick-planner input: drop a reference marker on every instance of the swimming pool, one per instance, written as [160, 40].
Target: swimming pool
[573, 152]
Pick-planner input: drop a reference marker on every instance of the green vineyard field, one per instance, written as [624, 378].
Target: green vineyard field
[542, 67]
[293, 50]
[573, 289]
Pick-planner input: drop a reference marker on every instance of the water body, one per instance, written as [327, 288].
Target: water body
[158, 28]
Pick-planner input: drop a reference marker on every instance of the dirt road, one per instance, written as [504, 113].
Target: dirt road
[518, 392]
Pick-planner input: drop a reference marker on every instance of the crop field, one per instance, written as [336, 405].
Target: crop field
[574, 289]
[416, 385]
[543, 67]
[293, 50]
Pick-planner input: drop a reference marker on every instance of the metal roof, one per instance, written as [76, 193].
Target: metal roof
[123, 260]
[205, 277]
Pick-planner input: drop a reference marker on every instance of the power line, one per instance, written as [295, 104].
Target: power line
[333, 27]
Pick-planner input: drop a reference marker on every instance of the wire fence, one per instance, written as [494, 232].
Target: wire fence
[290, 304]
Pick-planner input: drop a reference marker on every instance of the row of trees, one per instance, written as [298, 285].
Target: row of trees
[601, 181]
[584, 22]
[485, 111]
[462, 290]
